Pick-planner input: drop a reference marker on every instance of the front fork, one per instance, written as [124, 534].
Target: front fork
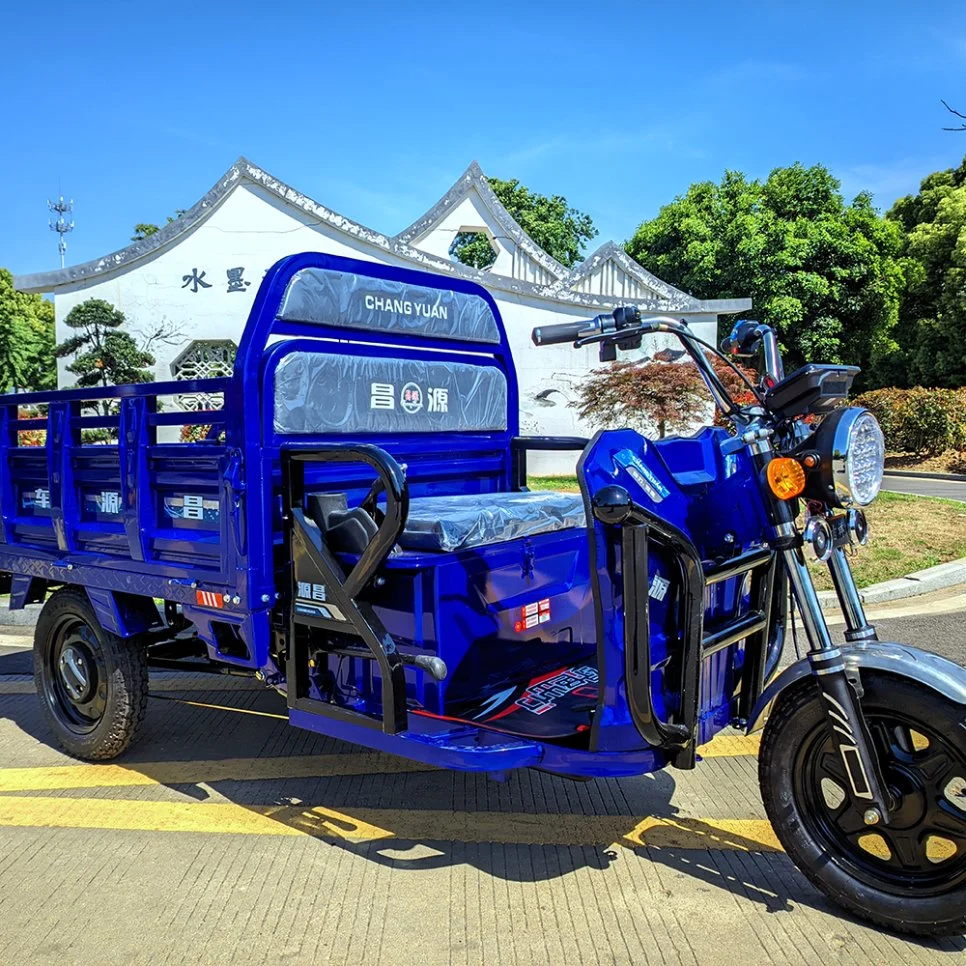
[840, 688]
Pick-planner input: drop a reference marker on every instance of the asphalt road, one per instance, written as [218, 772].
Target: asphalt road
[943, 634]
[934, 622]
[924, 486]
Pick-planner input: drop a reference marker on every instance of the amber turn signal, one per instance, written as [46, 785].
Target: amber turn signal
[786, 478]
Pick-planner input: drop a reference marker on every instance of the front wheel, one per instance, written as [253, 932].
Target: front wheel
[92, 684]
[910, 874]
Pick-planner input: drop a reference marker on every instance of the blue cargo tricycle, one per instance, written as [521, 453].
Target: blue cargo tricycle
[354, 529]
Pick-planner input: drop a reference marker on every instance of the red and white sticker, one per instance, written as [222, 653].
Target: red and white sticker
[533, 614]
[208, 598]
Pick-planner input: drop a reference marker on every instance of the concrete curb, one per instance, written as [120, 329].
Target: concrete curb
[922, 475]
[912, 585]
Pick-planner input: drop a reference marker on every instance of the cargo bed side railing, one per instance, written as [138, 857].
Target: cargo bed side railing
[57, 445]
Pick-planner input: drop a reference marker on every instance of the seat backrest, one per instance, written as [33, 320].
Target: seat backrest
[416, 363]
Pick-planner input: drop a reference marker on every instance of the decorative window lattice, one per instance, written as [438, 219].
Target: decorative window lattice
[204, 360]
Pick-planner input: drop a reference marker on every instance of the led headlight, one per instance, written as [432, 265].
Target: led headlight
[851, 450]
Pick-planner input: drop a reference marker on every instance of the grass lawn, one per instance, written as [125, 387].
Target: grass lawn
[906, 533]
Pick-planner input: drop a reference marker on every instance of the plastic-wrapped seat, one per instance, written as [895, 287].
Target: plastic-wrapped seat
[448, 523]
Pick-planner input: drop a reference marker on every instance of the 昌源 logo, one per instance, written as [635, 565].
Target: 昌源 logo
[412, 398]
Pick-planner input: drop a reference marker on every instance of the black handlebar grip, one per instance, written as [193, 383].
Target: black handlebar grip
[558, 334]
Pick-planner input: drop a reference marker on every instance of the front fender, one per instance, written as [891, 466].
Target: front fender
[902, 660]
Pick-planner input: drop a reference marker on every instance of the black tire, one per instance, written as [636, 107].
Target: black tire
[892, 881]
[92, 684]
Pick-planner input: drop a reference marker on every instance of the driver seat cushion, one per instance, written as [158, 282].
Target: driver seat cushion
[448, 523]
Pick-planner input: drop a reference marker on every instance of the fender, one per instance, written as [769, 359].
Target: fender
[902, 660]
[124, 614]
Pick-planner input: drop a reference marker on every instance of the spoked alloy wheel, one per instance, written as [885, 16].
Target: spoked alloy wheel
[93, 684]
[908, 874]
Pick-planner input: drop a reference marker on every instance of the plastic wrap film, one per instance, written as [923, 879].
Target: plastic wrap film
[475, 520]
[326, 297]
[330, 394]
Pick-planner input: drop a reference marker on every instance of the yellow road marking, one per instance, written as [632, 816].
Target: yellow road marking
[211, 817]
[743, 834]
[254, 769]
[198, 772]
[373, 824]
[223, 707]
[727, 746]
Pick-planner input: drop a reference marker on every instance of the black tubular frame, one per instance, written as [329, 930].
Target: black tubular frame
[303, 540]
[679, 737]
[393, 481]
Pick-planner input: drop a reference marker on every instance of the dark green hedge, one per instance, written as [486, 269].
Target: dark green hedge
[923, 421]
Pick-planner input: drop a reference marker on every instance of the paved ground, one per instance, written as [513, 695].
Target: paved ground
[226, 836]
[922, 486]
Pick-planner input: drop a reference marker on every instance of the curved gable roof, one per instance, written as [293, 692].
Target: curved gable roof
[667, 298]
[242, 169]
[612, 252]
[474, 180]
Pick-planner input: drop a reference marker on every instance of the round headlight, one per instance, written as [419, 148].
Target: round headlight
[853, 453]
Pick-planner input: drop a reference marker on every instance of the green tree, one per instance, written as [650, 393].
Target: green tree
[558, 229]
[104, 355]
[41, 369]
[931, 342]
[26, 339]
[144, 229]
[824, 274]
[14, 336]
[473, 248]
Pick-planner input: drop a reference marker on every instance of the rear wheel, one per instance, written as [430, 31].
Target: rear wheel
[93, 685]
[909, 874]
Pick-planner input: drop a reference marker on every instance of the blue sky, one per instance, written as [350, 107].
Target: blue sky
[375, 108]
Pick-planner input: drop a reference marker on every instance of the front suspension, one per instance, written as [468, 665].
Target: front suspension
[843, 714]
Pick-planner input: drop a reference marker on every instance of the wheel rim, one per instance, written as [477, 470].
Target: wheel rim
[923, 848]
[75, 684]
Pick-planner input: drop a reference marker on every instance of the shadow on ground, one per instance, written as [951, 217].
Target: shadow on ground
[530, 828]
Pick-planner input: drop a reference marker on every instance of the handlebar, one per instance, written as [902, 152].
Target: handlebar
[563, 332]
[745, 339]
[625, 327]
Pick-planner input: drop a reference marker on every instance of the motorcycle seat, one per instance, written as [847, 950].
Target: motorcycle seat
[448, 523]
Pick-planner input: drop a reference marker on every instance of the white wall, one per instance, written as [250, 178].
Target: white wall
[251, 229]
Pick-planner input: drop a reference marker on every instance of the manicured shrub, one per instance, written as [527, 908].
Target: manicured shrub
[922, 421]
